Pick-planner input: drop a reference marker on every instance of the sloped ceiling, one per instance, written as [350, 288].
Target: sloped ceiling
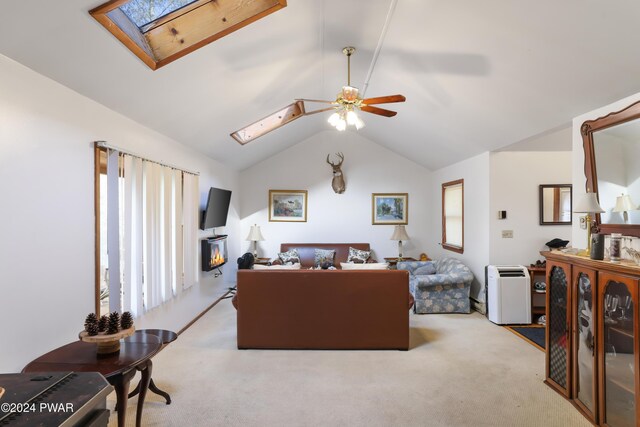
[477, 75]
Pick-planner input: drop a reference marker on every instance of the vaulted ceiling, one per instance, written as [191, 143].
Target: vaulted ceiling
[477, 75]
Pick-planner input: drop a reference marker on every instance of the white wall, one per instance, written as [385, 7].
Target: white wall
[368, 168]
[579, 179]
[46, 212]
[475, 172]
[514, 180]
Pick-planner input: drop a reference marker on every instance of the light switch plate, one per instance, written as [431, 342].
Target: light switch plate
[507, 234]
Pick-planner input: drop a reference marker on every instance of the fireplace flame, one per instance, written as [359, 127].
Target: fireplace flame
[216, 257]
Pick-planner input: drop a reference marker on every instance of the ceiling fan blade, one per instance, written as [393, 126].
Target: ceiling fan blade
[384, 99]
[378, 111]
[269, 123]
[308, 113]
[316, 100]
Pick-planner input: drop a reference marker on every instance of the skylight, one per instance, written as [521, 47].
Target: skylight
[143, 12]
[161, 31]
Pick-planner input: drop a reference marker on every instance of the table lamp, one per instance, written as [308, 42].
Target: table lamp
[587, 203]
[624, 204]
[255, 236]
[399, 234]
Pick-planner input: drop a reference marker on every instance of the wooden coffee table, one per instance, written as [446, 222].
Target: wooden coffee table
[118, 368]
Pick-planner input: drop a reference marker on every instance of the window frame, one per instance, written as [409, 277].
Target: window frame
[444, 243]
[182, 31]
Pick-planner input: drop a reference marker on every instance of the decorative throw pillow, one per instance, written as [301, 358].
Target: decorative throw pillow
[428, 268]
[358, 256]
[368, 266]
[323, 256]
[289, 257]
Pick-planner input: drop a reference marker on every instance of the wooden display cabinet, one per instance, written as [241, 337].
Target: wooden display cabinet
[557, 337]
[595, 361]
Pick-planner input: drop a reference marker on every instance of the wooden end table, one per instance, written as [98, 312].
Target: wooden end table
[118, 368]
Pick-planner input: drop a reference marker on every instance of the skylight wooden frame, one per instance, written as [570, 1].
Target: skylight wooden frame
[184, 30]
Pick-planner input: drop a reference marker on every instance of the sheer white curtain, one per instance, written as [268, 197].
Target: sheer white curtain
[157, 250]
[190, 210]
[113, 229]
[132, 284]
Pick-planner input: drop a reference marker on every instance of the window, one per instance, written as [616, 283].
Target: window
[161, 31]
[146, 232]
[453, 215]
[143, 12]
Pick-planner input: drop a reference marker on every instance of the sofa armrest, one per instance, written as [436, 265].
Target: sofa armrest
[444, 279]
[412, 266]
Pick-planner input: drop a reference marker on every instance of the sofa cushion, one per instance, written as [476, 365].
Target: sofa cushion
[277, 267]
[306, 251]
[358, 256]
[323, 256]
[427, 268]
[289, 257]
[367, 266]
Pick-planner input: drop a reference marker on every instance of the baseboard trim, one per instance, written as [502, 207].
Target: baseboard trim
[204, 312]
[478, 306]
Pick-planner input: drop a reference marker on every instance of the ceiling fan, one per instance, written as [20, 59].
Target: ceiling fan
[344, 109]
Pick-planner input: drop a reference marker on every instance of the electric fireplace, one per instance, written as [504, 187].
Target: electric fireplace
[214, 252]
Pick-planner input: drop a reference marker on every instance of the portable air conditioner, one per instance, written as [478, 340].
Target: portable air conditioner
[508, 294]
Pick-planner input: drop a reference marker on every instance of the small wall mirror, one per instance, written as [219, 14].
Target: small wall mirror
[555, 204]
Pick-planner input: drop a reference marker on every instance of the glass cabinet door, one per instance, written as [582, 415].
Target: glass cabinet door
[584, 342]
[557, 326]
[617, 303]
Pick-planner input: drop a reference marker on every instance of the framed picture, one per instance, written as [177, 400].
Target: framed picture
[390, 208]
[288, 205]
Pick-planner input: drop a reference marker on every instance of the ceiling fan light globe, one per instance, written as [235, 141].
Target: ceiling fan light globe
[341, 125]
[352, 117]
[333, 119]
[359, 123]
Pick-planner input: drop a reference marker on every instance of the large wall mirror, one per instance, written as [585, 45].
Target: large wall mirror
[555, 204]
[612, 167]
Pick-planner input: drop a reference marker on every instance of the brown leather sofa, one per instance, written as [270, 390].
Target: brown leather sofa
[323, 309]
[306, 251]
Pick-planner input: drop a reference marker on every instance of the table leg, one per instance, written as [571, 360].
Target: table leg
[156, 390]
[144, 385]
[121, 384]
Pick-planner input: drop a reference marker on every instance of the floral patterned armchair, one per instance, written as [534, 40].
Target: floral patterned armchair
[440, 286]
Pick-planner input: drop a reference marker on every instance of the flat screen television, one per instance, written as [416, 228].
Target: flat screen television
[215, 213]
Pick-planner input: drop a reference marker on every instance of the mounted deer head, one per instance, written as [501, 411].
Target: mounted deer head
[337, 183]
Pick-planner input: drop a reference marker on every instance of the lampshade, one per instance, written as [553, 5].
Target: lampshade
[399, 233]
[587, 203]
[254, 234]
[624, 203]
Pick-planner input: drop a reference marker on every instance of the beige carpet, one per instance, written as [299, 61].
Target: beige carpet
[462, 370]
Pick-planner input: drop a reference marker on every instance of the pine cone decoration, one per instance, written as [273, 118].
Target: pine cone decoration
[91, 324]
[114, 323]
[126, 320]
[102, 323]
[92, 329]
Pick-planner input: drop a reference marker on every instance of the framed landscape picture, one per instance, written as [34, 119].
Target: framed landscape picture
[390, 208]
[288, 205]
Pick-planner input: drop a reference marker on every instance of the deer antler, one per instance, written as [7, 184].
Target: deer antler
[329, 161]
[341, 158]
